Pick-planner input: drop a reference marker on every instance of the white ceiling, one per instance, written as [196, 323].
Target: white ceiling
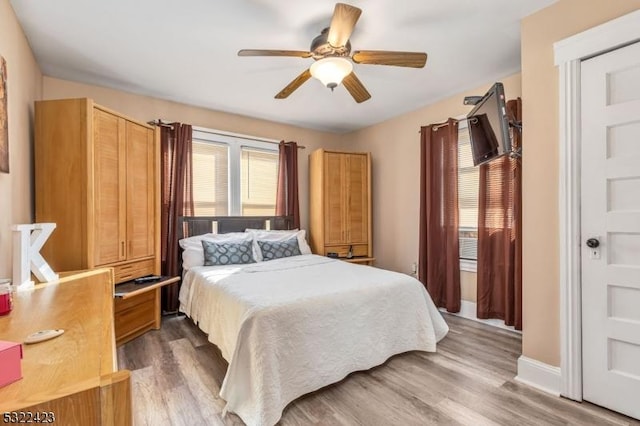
[186, 51]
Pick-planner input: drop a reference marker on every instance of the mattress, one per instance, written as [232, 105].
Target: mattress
[290, 326]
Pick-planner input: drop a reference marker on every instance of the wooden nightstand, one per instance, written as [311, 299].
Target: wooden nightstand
[360, 259]
[137, 308]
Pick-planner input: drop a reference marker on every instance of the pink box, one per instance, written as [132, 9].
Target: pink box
[10, 362]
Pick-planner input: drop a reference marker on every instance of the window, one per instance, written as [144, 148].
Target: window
[233, 175]
[210, 179]
[258, 182]
[468, 184]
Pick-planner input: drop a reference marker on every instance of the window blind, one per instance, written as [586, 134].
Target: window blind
[210, 179]
[468, 185]
[258, 182]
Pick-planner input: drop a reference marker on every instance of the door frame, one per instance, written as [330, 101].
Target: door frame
[569, 53]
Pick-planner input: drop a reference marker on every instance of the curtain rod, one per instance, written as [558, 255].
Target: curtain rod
[436, 126]
[161, 123]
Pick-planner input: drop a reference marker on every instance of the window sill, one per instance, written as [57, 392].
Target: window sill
[468, 265]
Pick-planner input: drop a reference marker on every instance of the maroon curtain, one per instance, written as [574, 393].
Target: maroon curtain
[439, 254]
[287, 192]
[177, 200]
[500, 235]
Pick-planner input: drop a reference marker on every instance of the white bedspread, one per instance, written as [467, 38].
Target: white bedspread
[290, 326]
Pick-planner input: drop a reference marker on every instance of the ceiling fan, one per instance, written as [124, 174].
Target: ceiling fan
[331, 50]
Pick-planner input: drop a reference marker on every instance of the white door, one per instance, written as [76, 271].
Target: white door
[610, 206]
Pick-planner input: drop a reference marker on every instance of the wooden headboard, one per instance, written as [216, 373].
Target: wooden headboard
[188, 226]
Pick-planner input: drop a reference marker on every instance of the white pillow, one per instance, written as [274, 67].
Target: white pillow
[193, 254]
[277, 235]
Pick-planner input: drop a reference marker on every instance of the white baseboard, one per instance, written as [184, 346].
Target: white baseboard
[530, 371]
[539, 375]
[468, 310]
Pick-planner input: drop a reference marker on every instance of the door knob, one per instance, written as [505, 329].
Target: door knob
[593, 243]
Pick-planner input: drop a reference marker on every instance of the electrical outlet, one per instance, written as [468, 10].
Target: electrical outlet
[414, 268]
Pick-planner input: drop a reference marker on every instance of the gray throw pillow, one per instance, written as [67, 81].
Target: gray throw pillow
[227, 253]
[278, 249]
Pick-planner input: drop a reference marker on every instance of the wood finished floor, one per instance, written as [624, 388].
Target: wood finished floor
[176, 375]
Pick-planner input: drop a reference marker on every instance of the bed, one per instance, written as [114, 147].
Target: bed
[292, 325]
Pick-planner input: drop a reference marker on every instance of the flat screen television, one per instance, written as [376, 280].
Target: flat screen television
[488, 126]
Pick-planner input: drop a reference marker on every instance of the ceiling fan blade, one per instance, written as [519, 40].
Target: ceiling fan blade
[297, 82]
[342, 24]
[258, 52]
[356, 88]
[383, 57]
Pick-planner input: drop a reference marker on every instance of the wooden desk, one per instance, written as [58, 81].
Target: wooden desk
[74, 376]
[137, 308]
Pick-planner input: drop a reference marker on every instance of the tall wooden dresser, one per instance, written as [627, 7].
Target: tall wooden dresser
[340, 204]
[97, 178]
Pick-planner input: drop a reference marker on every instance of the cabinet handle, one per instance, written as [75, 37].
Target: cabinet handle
[122, 248]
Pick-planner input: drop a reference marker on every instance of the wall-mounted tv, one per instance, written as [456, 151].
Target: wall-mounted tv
[489, 127]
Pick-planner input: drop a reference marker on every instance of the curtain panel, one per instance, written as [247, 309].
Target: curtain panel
[439, 252]
[287, 203]
[500, 234]
[176, 200]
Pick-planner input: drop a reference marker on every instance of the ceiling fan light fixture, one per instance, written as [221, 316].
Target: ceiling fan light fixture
[331, 71]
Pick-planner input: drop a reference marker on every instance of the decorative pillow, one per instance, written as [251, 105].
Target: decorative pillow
[277, 236]
[193, 254]
[227, 253]
[277, 249]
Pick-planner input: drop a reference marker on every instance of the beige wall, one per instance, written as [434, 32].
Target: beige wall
[469, 286]
[145, 109]
[541, 325]
[395, 149]
[24, 85]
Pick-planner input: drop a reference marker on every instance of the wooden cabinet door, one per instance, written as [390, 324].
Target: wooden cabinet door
[109, 232]
[140, 191]
[357, 198]
[334, 193]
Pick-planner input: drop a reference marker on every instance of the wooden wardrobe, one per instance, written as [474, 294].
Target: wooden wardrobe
[340, 204]
[97, 178]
